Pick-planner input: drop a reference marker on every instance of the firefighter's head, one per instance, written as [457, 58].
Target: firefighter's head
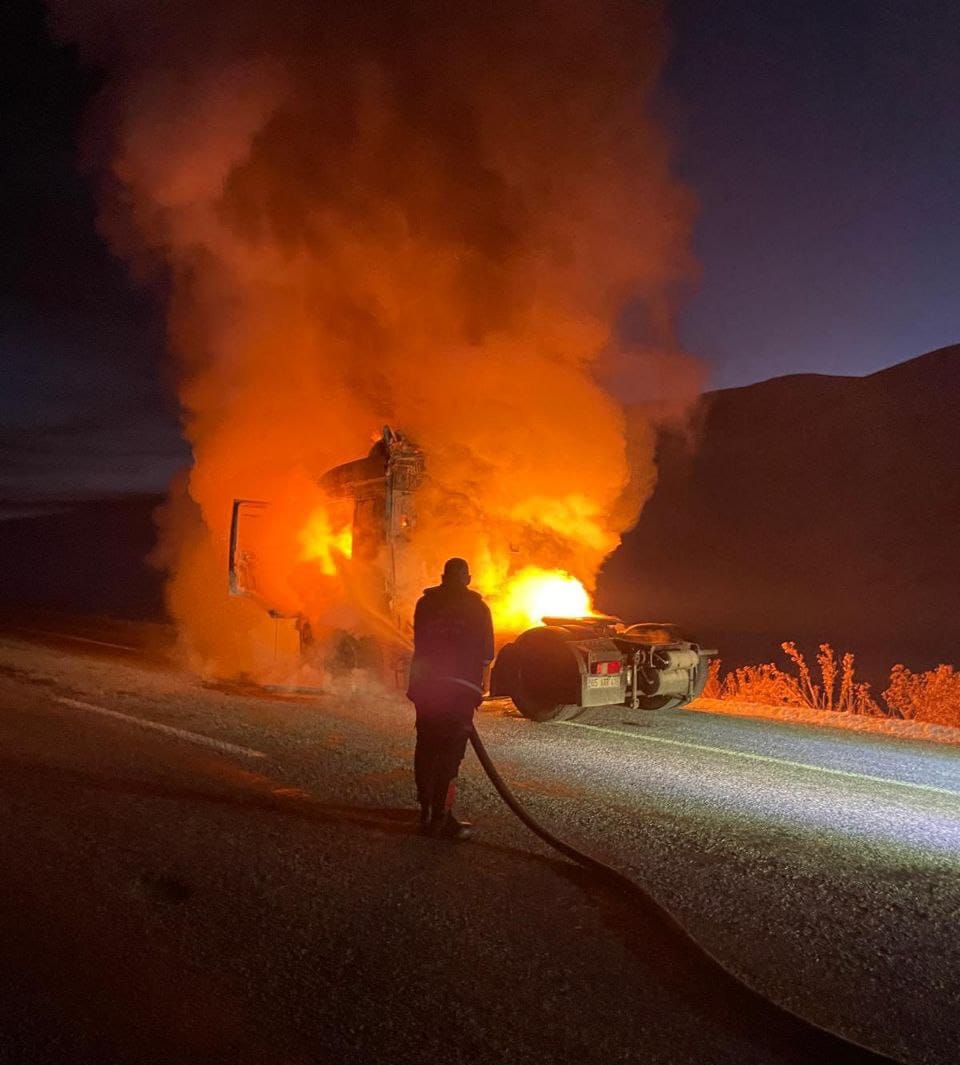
[456, 571]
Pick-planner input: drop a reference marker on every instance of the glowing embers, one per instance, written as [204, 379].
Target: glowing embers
[325, 544]
[533, 594]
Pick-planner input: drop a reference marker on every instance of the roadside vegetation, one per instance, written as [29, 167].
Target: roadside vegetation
[932, 697]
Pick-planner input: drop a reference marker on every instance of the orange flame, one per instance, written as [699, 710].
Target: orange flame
[529, 596]
[321, 543]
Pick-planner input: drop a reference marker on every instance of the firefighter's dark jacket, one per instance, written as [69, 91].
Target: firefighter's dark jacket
[453, 642]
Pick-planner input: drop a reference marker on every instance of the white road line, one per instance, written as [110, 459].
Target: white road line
[78, 639]
[846, 773]
[179, 733]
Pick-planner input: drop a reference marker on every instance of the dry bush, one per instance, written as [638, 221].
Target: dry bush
[761, 684]
[933, 696]
[850, 696]
[837, 688]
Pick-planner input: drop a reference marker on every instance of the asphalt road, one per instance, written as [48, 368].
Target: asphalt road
[195, 873]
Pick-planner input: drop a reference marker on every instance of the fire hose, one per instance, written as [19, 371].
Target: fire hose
[831, 1047]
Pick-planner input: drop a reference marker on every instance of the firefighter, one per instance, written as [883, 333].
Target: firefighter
[453, 645]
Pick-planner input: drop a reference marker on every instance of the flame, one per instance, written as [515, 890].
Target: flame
[321, 543]
[533, 594]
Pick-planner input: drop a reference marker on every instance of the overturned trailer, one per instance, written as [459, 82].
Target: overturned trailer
[551, 672]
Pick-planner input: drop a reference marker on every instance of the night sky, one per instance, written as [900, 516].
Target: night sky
[819, 138]
[83, 409]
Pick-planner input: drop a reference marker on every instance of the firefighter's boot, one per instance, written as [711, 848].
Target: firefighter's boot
[443, 825]
[446, 826]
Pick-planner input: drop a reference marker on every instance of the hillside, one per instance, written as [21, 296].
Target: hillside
[82, 557]
[809, 508]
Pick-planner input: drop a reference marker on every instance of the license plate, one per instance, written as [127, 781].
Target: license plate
[603, 682]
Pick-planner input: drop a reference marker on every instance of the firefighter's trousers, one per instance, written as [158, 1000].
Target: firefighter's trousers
[443, 728]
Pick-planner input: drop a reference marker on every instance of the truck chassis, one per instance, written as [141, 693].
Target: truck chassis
[556, 671]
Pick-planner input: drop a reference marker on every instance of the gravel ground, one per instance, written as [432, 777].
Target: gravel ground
[167, 901]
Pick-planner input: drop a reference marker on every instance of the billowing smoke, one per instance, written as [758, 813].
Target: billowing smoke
[422, 214]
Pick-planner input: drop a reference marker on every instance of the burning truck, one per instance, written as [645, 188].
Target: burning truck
[551, 671]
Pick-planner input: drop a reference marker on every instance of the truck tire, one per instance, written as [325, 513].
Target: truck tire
[544, 711]
[503, 675]
[544, 675]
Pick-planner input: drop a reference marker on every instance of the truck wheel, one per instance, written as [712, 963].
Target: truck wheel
[542, 708]
[503, 675]
[567, 711]
[544, 675]
[545, 711]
